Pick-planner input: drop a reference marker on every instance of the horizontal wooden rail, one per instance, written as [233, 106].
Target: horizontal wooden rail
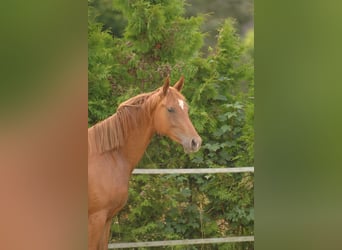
[193, 170]
[181, 242]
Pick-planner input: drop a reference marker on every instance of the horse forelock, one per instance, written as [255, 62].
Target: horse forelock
[111, 133]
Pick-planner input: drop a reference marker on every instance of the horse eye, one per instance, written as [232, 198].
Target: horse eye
[171, 110]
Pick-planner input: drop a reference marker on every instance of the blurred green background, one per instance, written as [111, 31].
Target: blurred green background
[298, 124]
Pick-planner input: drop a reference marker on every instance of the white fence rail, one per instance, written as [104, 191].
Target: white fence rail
[182, 242]
[193, 170]
[192, 241]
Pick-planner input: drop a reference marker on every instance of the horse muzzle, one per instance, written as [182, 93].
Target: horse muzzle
[192, 145]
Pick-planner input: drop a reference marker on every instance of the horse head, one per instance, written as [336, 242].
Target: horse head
[171, 117]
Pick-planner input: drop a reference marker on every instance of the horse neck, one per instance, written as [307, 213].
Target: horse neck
[137, 142]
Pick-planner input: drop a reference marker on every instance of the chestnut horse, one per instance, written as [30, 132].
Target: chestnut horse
[116, 145]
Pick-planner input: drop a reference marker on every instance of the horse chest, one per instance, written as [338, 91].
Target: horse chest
[118, 191]
[108, 181]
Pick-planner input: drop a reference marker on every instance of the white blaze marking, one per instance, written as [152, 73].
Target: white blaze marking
[181, 103]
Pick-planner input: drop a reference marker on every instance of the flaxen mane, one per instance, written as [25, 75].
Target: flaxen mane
[110, 134]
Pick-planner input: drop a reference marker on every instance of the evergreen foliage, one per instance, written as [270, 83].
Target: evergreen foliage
[158, 40]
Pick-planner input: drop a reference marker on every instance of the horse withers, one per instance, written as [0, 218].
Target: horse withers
[116, 145]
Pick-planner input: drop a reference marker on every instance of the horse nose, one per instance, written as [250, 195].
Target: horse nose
[196, 143]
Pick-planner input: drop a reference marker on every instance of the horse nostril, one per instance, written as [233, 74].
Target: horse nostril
[193, 143]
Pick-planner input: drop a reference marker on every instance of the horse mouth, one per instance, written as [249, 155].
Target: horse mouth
[189, 151]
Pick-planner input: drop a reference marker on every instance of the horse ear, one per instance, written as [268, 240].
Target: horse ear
[166, 85]
[179, 85]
